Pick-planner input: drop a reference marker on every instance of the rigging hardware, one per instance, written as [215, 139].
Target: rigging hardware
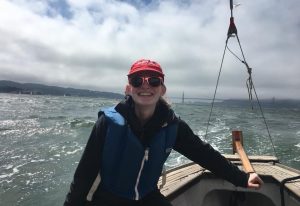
[232, 32]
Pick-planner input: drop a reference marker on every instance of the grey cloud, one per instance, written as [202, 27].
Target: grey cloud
[92, 44]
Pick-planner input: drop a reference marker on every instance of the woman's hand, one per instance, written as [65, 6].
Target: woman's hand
[254, 181]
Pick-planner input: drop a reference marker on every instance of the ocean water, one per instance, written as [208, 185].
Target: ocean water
[42, 139]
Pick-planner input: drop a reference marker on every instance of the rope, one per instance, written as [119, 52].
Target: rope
[249, 82]
[213, 101]
[250, 87]
[265, 121]
[232, 30]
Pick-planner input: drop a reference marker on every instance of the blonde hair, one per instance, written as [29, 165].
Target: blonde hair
[165, 101]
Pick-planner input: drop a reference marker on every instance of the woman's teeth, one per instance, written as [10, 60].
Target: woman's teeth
[145, 94]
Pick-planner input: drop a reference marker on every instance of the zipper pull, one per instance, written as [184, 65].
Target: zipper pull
[146, 154]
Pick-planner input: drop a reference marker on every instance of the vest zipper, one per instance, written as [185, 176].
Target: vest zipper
[146, 154]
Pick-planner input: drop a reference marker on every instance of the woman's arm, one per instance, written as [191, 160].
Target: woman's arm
[191, 146]
[88, 167]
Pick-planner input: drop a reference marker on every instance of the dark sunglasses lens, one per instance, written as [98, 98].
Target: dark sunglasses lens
[136, 81]
[154, 81]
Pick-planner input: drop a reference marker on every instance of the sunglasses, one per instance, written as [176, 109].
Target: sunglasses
[138, 81]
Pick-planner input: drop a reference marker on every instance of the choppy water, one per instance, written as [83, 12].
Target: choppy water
[43, 137]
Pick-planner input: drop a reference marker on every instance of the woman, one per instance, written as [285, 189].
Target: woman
[131, 141]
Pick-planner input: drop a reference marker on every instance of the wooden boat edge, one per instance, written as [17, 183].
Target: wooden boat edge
[191, 173]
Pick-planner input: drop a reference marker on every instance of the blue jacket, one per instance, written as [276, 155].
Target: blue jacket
[130, 169]
[186, 143]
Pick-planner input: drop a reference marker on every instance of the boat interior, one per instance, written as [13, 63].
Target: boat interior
[191, 185]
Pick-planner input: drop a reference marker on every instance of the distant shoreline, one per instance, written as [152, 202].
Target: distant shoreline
[40, 89]
[12, 87]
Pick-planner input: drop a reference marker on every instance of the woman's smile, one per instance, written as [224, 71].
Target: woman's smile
[145, 94]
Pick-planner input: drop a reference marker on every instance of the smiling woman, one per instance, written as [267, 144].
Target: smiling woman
[145, 87]
[130, 143]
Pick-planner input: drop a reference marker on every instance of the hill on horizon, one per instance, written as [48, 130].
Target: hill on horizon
[7, 86]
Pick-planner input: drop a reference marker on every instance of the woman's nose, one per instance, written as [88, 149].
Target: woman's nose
[145, 83]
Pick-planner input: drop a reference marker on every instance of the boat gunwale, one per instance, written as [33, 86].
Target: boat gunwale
[266, 161]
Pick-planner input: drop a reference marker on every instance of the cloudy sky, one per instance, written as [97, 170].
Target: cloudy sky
[91, 44]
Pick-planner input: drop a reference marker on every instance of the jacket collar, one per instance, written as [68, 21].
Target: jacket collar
[162, 116]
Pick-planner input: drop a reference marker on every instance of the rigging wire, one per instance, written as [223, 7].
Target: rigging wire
[232, 32]
[249, 82]
[213, 101]
[250, 86]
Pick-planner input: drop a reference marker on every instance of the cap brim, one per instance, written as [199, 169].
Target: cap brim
[145, 70]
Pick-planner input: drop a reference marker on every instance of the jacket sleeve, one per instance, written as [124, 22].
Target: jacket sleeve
[191, 146]
[88, 167]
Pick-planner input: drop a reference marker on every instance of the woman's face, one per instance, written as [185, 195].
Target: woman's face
[145, 94]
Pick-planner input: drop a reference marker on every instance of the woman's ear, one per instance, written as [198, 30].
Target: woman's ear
[163, 90]
[127, 90]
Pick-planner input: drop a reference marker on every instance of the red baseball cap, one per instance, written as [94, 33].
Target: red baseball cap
[145, 65]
